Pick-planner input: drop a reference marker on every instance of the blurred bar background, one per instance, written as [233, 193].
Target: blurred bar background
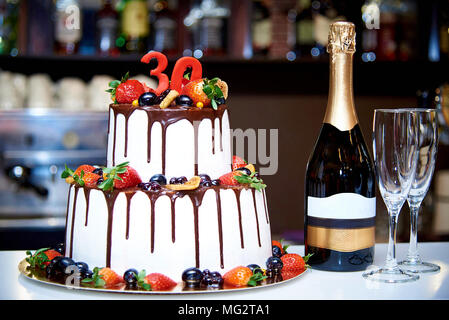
[57, 57]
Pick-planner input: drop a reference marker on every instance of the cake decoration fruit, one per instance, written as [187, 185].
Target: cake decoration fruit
[159, 282]
[120, 177]
[237, 162]
[194, 89]
[192, 277]
[213, 90]
[184, 100]
[274, 264]
[276, 251]
[135, 103]
[41, 258]
[110, 277]
[281, 246]
[126, 90]
[293, 262]
[159, 178]
[181, 65]
[96, 279]
[211, 279]
[242, 276]
[192, 184]
[134, 279]
[147, 99]
[229, 178]
[199, 104]
[169, 98]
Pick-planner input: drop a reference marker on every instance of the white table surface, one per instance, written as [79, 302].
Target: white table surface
[314, 284]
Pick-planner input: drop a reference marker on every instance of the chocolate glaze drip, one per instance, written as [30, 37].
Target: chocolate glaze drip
[86, 196]
[196, 196]
[166, 117]
[75, 196]
[253, 191]
[129, 196]
[237, 197]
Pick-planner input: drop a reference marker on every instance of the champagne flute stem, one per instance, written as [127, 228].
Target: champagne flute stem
[391, 253]
[413, 255]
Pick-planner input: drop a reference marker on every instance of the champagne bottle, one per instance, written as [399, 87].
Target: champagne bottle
[340, 203]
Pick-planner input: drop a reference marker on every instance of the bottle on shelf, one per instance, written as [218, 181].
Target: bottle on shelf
[340, 203]
[261, 34]
[106, 27]
[68, 25]
[444, 29]
[9, 16]
[164, 35]
[305, 38]
[135, 26]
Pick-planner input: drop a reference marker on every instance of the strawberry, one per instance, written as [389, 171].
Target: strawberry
[110, 277]
[126, 90]
[237, 162]
[194, 89]
[120, 177]
[51, 254]
[90, 179]
[293, 262]
[130, 178]
[159, 282]
[147, 88]
[238, 277]
[85, 167]
[229, 178]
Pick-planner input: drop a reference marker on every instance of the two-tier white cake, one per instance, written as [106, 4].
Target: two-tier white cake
[167, 231]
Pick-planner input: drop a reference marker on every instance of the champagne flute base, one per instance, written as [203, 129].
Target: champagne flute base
[418, 266]
[387, 275]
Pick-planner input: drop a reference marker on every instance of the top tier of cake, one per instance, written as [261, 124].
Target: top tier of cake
[176, 141]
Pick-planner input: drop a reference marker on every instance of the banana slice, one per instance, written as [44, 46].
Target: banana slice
[192, 184]
[169, 99]
[223, 87]
[250, 167]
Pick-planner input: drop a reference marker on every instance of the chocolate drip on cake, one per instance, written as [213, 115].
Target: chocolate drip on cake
[110, 202]
[253, 191]
[166, 117]
[86, 196]
[220, 225]
[237, 197]
[129, 196]
[75, 196]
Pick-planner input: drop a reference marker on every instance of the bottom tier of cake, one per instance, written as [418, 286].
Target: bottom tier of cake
[215, 228]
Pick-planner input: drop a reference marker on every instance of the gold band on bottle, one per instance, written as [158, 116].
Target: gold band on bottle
[342, 240]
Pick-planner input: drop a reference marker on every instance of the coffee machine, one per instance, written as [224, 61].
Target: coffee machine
[35, 145]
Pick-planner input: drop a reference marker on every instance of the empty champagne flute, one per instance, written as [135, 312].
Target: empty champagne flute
[427, 152]
[395, 145]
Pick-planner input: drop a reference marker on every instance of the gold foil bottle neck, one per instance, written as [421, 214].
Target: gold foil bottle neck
[341, 37]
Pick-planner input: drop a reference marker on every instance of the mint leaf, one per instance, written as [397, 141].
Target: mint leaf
[67, 172]
[252, 180]
[255, 279]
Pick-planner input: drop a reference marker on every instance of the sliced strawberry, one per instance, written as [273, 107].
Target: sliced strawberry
[90, 179]
[238, 277]
[159, 282]
[129, 179]
[194, 89]
[51, 254]
[238, 162]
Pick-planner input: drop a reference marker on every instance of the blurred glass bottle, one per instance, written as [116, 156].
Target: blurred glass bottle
[305, 38]
[444, 29]
[107, 25]
[164, 37]
[67, 26]
[261, 34]
[9, 10]
[135, 26]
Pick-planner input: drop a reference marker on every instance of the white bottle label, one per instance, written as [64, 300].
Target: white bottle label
[342, 206]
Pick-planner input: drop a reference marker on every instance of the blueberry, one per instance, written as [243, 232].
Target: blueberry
[147, 99]
[192, 277]
[82, 267]
[181, 180]
[212, 279]
[220, 101]
[184, 100]
[206, 184]
[277, 252]
[130, 277]
[244, 170]
[215, 182]
[255, 268]
[100, 181]
[98, 171]
[159, 178]
[154, 186]
[173, 180]
[204, 177]
[65, 262]
[275, 264]
[87, 274]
